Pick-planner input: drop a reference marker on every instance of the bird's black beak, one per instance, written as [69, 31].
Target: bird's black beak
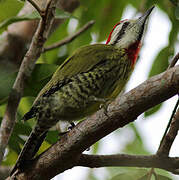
[144, 17]
[141, 21]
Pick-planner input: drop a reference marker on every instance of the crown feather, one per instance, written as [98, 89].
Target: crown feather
[110, 34]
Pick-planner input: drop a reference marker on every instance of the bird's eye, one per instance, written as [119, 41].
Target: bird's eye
[122, 31]
[125, 25]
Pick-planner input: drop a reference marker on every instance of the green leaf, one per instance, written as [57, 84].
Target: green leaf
[177, 13]
[22, 129]
[160, 63]
[3, 100]
[10, 158]
[60, 14]
[14, 144]
[153, 110]
[106, 14]
[91, 175]
[161, 177]
[45, 145]
[52, 137]
[32, 16]
[156, 177]
[136, 146]
[145, 177]
[51, 57]
[173, 37]
[137, 174]
[174, 2]
[40, 76]
[134, 174]
[95, 147]
[43, 71]
[9, 8]
[136, 4]
[7, 80]
[163, 173]
[16, 141]
[109, 16]
[82, 40]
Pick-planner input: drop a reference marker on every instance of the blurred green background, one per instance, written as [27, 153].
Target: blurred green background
[106, 13]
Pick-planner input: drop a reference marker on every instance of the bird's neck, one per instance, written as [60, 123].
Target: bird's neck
[133, 51]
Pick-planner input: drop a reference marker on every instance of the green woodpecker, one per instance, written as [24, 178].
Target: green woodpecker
[93, 75]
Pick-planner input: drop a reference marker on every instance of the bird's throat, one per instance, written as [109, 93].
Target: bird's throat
[133, 51]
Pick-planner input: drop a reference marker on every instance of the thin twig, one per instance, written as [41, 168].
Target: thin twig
[174, 61]
[169, 138]
[70, 38]
[35, 6]
[95, 161]
[168, 125]
[25, 71]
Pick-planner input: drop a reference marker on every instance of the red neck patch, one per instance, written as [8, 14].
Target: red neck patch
[133, 51]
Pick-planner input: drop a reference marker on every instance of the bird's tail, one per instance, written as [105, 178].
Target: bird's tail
[30, 114]
[30, 148]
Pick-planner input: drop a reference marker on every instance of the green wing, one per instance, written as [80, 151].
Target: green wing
[82, 60]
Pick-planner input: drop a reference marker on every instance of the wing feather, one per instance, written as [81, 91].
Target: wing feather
[82, 60]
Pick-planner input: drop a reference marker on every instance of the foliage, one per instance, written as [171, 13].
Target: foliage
[106, 13]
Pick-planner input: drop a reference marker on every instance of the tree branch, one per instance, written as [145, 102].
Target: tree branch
[64, 154]
[70, 38]
[25, 71]
[97, 161]
[33, 3]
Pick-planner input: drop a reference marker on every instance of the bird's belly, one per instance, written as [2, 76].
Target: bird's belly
[77, 99]
[72, 113]
[74, 105]
[81, 96]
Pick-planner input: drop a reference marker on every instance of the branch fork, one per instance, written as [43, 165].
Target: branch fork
[25, 71]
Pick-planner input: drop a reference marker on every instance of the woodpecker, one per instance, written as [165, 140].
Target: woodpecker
[90, 77]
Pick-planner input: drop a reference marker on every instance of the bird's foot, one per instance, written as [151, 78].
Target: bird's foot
[104, 103]
[72, 126]
[69, 129]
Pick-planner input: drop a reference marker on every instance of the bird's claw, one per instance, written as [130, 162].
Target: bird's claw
[72, 126]
[69, 129]
[104, 103]
[104, 106]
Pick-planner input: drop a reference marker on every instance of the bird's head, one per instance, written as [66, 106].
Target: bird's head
[128, 34]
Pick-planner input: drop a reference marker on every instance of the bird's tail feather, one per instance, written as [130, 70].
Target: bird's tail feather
[30, 114]
[30, 148]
